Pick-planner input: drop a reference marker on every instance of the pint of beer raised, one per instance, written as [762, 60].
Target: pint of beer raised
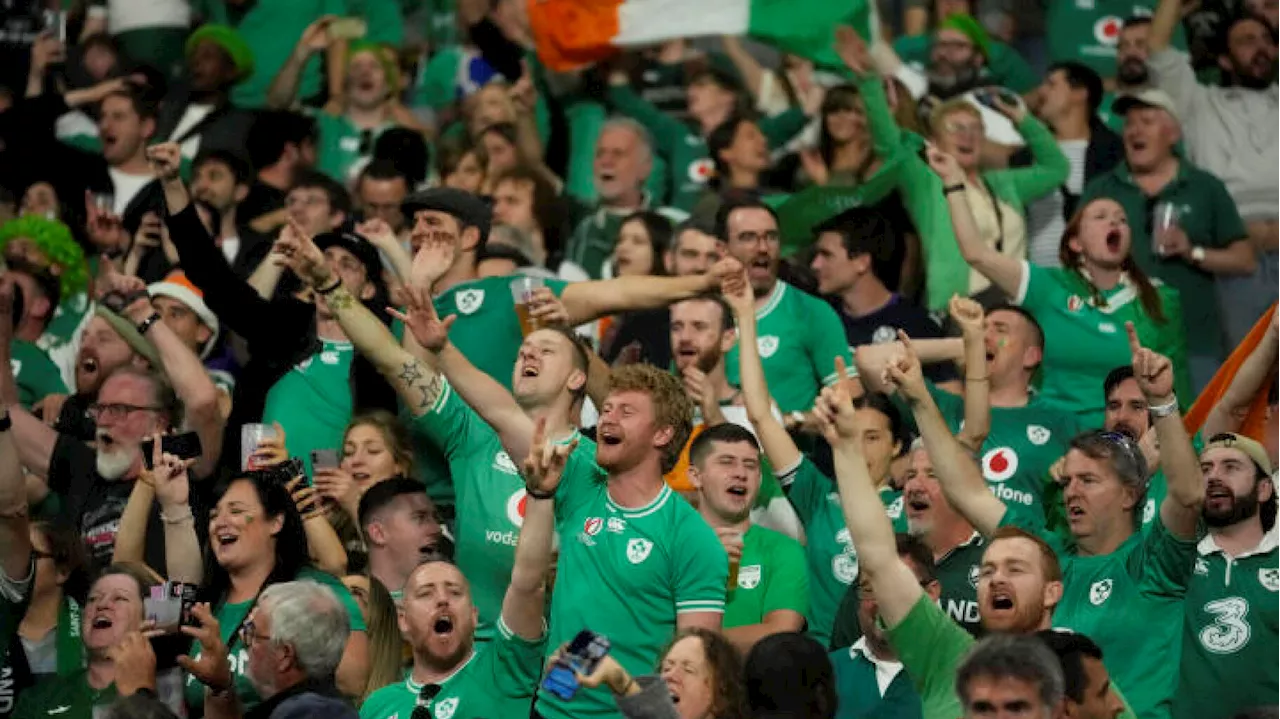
[522, 289]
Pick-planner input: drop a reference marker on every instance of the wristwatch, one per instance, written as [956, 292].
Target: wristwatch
[1197, 255]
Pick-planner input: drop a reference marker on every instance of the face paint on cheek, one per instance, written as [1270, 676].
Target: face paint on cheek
[1001, 344]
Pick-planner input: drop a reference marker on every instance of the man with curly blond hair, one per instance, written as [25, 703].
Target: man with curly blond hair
[637, 563]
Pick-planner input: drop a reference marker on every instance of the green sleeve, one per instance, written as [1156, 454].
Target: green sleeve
[667, 131]
[930, 647]
[35, 374]
[701, 567]
[450, 424]
[1010, 70]
[436, 82]
[516, 662]
[585, 118]
[1172, 343]
[1048, 170]
[780, 128]
[827, 341]
[769, 487]
[577, 481]
[789, 588]
[556, 286]
[950, 405]
[807, 489]
[1042, 290]
[886, 136]
[1162, 563]
[1227, 225]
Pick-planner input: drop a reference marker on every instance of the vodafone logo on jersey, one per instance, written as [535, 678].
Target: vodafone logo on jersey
[515, 506]
[999, 464]
[1107, 30]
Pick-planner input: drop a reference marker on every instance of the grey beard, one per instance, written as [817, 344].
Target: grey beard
[113, 465]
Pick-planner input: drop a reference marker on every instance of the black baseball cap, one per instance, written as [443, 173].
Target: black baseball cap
[467, 208]
[358, 246]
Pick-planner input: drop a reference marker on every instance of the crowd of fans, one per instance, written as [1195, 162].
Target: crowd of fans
[355, 363]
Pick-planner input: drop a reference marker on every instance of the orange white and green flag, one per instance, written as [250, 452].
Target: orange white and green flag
[573, 33]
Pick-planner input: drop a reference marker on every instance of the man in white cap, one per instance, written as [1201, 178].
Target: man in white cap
[181, 305]
[1186, 230]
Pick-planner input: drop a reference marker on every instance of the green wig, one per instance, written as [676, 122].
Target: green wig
[55, 241]
[389, 67]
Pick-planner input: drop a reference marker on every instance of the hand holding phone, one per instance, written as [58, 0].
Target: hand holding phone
[183, 446]
[348, 28]
[168, 607]
[324, 459]
[581, 657]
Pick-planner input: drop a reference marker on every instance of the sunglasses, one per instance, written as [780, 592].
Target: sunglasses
[423, 710]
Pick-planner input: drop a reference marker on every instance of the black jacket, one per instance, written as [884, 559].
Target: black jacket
[280, 332]
[312, 699]
[1104, 152]
[225, 128]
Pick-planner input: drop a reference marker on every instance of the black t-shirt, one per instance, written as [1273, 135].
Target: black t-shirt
[262, 199]
[95, 504]
[648, 331]
[882, 326]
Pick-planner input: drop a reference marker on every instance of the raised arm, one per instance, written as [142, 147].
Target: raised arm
[896, 588]
[749, 67]
[872, 359]
[586, 301]
[1004, 271]
[191, 382]
[1231, 408]
[172, 488]
[959, 475]
[1180, 510]
[284, 87]
[666, 130]
[1163, 24]
[15, 537]
[886, 136]
[779, 448]
[34, 439]
[977, 385]
[1049, 166]
[523, 604]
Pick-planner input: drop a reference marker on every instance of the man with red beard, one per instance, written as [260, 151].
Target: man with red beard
[1019, 582]
[1229, 636]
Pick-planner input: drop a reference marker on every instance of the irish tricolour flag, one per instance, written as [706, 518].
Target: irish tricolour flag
[573, 33]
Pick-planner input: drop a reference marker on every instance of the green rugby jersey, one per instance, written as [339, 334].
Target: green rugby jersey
[1087, 339]
[489, 495]
[833, 563]
[771, 576]
[497, 681]
[1124, 601]
[799, 337]
[312, 401]
[626, 573]
[1229, 631]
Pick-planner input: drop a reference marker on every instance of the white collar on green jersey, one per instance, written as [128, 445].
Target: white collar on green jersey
[416, 688]
[886, 669]
[637, 512]
[1269, 542]
[775, 297]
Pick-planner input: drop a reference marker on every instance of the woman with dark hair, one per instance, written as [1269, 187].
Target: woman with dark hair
[1083, 305]
[699, 677]
[790, 675]
[256, 539]
[643, 240]
[461, 165]
[48, 640]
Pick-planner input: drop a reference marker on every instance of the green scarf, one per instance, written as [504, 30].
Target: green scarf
[69, 644]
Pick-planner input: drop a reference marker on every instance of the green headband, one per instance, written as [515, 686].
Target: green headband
[230, 41]
[966, 25]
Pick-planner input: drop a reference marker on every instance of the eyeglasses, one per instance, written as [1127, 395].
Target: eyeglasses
[423, 709]
[115, 410]
[249, 634]
[960, 128]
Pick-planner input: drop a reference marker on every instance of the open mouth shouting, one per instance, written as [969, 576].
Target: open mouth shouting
[1218, 497]
[1000, 600]
[1114, 240]
[918, 503]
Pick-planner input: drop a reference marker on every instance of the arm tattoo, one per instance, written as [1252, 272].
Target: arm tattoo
[430, 387]
[410, 373]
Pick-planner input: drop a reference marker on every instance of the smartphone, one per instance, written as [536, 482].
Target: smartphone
[348, 28]
[182, 446]
[55, 23]
[324, 459]
[169, 606]
[582, 655]
[283, 473]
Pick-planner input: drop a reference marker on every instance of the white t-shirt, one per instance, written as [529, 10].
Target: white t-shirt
[126, 187]
[124, 15]
[1045, 224]
[193, 116]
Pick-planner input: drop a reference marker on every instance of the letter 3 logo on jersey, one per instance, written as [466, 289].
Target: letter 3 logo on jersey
[1099, 592]
[468, 301]
[445, 709]
[749, 577]
[1074, 303]
[638, 550]
[767, 345]
[1038, 435]
[592, 526]
[1270, 578]
[515, 507]
[1107, 30]
[999, 464]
